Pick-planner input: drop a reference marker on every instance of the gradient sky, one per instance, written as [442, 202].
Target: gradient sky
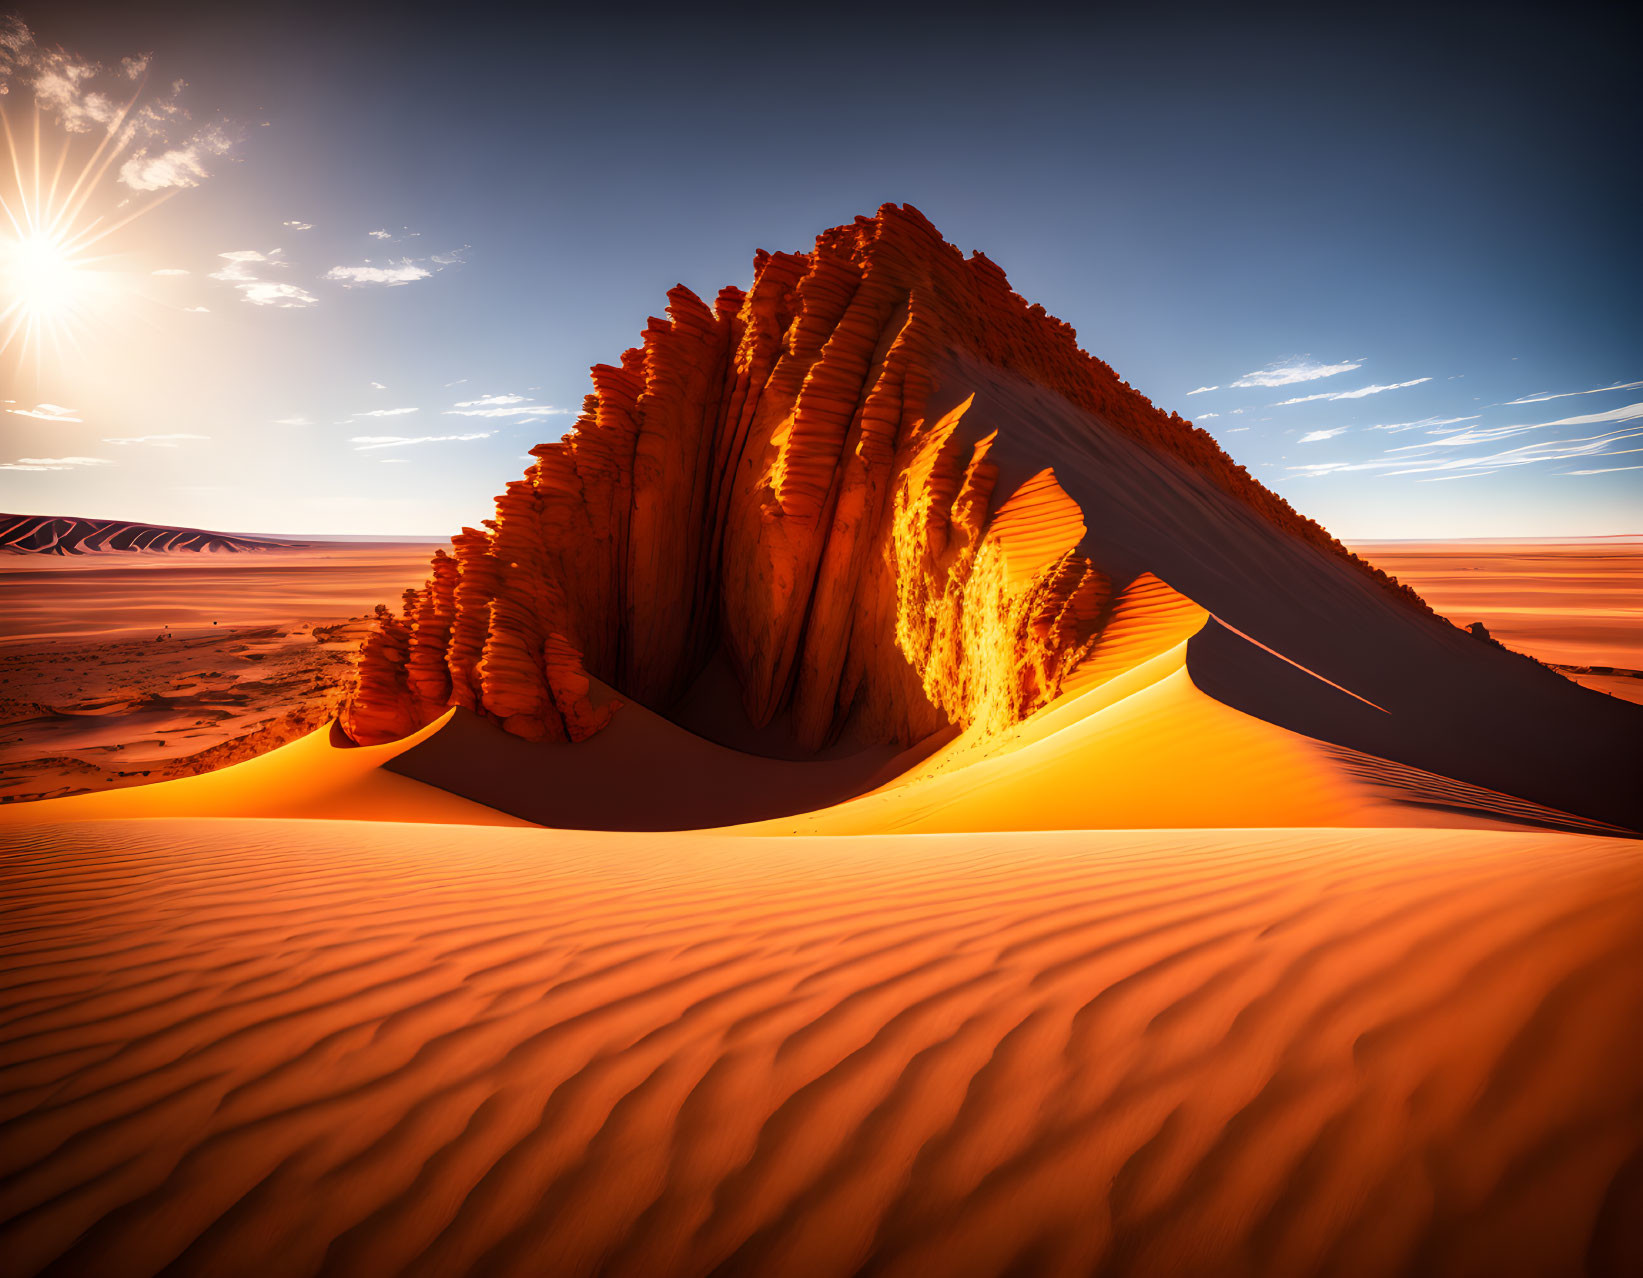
[1401, 251]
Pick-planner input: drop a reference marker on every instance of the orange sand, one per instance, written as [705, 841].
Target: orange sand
[1571, 602]
[326, 1047]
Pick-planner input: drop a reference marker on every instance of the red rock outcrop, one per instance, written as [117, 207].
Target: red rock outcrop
[760, 477]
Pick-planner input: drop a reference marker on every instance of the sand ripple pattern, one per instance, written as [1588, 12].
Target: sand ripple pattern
[296, 1048]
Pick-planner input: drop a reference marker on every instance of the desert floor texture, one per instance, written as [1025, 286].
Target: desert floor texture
[329, 1011]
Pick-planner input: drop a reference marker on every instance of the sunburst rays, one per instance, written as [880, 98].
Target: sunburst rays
[56, 278]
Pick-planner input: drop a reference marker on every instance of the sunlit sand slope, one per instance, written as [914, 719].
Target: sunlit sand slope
[313, 777]
[248, 1047]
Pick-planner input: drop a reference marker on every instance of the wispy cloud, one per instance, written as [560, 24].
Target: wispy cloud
[268, 293]
[241, 273]
[1313, 436]
[178, 166]
[1204, 417]
[1601, 470]
[365, 443]
[1203, 390]
[1490, 434]
[504, 406]
[1399, 427]
[1596, 390]
[54, 463]
[299, 226]
[156, 141]
[386, 412]
[293, 421]
[1554, 450]
[48, 413]
[155, 441]
[1351, 394]
[378, 386]
[1290, 371]
[403, 272]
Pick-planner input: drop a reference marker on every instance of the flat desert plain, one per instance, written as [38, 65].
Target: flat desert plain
[118, 668]
[1574, 603]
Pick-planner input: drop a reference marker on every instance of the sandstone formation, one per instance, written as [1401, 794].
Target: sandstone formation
[771, 478]
[68, 535]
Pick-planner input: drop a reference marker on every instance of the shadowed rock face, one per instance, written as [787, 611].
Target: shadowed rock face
[67, 535]
[797, 478]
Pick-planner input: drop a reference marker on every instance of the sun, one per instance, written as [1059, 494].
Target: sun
[55, 284]
[42, 276]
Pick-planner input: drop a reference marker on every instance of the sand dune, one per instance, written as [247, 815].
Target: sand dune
[311, 778]
[70, 535]
[302, 1048]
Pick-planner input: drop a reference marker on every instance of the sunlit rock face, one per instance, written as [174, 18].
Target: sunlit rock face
[794, 477]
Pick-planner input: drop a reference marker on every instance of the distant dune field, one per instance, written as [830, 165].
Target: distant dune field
[1570, 602]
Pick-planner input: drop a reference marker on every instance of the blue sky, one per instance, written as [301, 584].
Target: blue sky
[1289, 208]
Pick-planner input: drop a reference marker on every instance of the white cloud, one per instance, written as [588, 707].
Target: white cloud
[299, 226]
[169, 270]
[1489, 434]
[197, 310]
[1313, 436]
[1204, 417]
[405, 272]
[378, 386]
[364, 443]
[155, 441]
[1399, 427]
[1288, 372]
[503, 406]
[254, 289]
[458, 382]
[54, 463]
[264, 293]
[1596, 390]
[1602, 470]
[47, 413]
[1351, 394]
[179, 166]
[1488, 463]
[1202, 390]
[161, 147]
[386, 412]
[380, 235]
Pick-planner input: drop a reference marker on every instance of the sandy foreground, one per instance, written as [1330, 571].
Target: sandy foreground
[307, 1047]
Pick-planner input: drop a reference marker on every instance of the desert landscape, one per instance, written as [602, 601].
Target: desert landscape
[589, 688]
[1043, 889]
[124, 663]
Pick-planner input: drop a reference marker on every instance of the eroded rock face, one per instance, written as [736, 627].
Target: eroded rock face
[761, 477]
